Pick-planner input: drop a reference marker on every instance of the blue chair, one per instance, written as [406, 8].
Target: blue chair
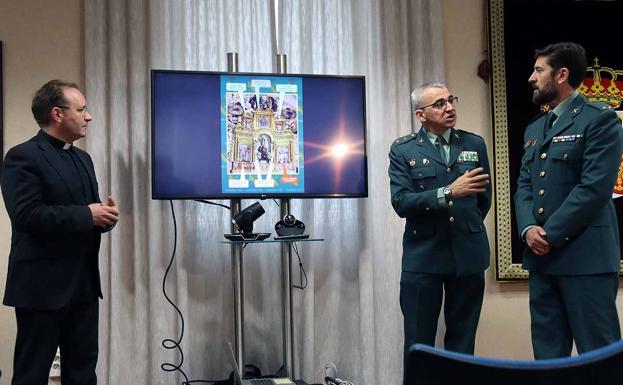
[430, 366]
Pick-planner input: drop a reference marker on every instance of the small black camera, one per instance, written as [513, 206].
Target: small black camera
[289, 226]
[245, 218]
[243, 222]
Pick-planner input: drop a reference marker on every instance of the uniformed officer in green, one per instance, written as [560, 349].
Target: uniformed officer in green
[565, 212]
[439, 181]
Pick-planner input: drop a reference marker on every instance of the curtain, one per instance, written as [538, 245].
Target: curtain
[349, 313]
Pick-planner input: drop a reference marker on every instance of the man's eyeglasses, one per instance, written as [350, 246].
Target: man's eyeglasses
[442, 104]
[81, 111]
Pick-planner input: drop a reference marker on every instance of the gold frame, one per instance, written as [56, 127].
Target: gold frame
[505, 268]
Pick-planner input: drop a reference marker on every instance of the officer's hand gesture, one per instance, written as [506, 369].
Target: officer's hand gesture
[472, 182]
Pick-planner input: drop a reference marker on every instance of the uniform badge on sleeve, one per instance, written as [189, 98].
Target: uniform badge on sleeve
[468, 156]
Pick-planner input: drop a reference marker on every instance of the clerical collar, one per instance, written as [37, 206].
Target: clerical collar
[57, 143]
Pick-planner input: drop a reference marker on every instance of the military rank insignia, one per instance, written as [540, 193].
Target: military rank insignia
[468, 156]
[567, 138]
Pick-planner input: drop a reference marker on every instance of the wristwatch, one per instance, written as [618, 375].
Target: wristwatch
[447, 193]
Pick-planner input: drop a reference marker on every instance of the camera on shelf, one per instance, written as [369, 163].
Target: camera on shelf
[245, 218]
[289, 226]
[244, 224]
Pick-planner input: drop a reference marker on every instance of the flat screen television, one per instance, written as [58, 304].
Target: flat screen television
[218, 135]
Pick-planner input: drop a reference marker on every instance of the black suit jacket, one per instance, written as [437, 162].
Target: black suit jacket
[53, 232]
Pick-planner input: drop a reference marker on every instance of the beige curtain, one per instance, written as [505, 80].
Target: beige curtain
[349, 314]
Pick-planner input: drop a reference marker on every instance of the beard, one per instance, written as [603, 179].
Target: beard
[544, 95]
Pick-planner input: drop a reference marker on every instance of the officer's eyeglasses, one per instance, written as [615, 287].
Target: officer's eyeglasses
[442, 104]
[81, 111]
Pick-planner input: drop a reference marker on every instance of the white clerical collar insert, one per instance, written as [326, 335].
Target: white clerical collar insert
[66, 146]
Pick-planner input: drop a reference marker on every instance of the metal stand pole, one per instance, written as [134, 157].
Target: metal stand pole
[286, 273]
[236, 263]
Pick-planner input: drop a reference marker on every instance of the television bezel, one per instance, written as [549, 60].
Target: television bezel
[225, 196]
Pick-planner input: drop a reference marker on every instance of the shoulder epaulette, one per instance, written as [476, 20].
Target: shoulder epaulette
[404, 139]
[600, 105]
[469, 133]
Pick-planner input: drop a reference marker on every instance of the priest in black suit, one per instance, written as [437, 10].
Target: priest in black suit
[51, 195]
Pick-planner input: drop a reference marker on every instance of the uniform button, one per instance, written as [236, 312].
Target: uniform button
[540, 210]
[450, 203]
[566, 238]
[419, 174]
[541, 192]
[414, 232]
[565, 156]
[421, 187]
[448, 169]
[542, 174]
[428, 208]
[544, 155]
[451, 219]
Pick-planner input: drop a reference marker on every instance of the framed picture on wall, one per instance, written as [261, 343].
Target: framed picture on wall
[516, 29]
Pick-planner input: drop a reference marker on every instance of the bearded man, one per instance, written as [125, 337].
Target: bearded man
[565, 212]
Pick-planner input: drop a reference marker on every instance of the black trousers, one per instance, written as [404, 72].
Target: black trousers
[569, 308]
[421, 295]
[73, 328]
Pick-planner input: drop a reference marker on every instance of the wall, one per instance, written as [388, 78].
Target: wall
[504, 329]
[42, 40]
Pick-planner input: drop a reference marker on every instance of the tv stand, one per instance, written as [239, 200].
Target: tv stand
[287, 329]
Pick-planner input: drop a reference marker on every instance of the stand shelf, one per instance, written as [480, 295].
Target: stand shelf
[287, 328]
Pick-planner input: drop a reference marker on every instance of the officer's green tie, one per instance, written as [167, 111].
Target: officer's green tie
[439, 142]
[549, 121]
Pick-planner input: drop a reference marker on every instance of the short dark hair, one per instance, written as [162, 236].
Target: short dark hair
[566, 54]
[50, 95]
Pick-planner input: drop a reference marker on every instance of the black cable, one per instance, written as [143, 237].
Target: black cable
[212, 203]
[301, 269]
[168, 343]
[277, 203]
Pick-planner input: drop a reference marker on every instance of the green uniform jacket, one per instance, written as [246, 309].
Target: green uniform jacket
[565, 185]
[437, 239]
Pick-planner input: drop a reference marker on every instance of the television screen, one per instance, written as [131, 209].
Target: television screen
[242, 135]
